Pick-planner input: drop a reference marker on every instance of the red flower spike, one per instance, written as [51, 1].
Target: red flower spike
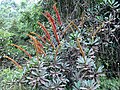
[45, 30]
[57, 14]
[51, 20]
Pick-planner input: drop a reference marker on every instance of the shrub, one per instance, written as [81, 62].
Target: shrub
[109, 84]
[54, 67]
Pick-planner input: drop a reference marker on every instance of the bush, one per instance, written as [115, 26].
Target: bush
[109, 84]
[64, 59]
[57, 70]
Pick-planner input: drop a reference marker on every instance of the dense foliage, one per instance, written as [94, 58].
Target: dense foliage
[44, 48]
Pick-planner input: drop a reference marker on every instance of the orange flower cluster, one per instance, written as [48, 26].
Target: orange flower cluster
[37, 45]
[52, 22]
[19, 66]
[22, 50]
[45, 30]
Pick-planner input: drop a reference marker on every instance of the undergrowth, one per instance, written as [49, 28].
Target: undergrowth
[64, 55]
[52, 68]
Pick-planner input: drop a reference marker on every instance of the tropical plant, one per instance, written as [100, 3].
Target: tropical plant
[51, 68]
[109, 35]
